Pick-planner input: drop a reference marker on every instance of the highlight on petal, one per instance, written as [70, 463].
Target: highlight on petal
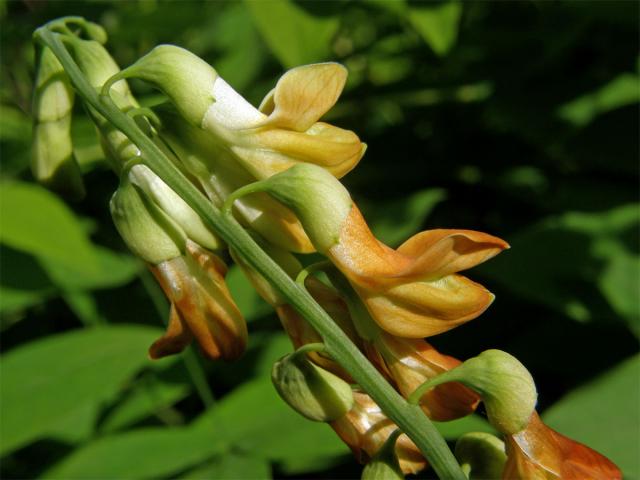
[411, 362]
[539, 452]
[201, 305]
[365, 429]
[303, 95]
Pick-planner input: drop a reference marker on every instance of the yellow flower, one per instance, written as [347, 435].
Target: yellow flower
[540, 453]
[201, 306]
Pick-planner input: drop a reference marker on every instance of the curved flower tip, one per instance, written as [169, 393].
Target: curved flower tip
[411, 362]
[201, 307]
[365, 429]
[540, 453]
[415, 291]
[286, 130]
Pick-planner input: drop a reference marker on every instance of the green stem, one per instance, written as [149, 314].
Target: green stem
[408, 417]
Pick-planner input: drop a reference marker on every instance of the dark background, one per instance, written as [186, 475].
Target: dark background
[515, 118]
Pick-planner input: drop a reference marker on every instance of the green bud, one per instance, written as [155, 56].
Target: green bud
[184, 77]
[146, 229]
[311, 391]
[319, 200]
[481, 455]
[384, 465]
[174, 206]
[505, 385]
[52, 160]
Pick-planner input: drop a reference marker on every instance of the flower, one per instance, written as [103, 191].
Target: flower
[201, 306]
[365, 429]
[415, 291]
[540, 453]
[411, 292]
[285, 129]
[410, 363]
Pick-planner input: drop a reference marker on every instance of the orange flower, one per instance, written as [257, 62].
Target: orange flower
[410, 363]
[201, 306]
[415, 291]
[540, 453]
[365, 429]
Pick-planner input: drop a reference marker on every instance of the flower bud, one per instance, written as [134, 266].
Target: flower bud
[52, 160]
[481, 455]
[384, 465]
[319, 200]
[174, 206]
[310, 390]
[505, 385]
[184, 77]
[148, 232]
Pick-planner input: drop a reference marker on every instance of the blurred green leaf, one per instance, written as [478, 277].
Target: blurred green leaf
[437, 22]
[143, 453]
[249, 302]
[231, 466]
[575, 261]
[294, 35]
[151, 395]
[46, 380]
[622, 90]
[14, 125]
[85, 307]
[37, 222]
[76, 427]
[254, 419]
[113, 270]
[604, 415]
[23, 282]
[395, 221]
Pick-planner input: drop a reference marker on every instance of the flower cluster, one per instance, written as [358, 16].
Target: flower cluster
[277, 167]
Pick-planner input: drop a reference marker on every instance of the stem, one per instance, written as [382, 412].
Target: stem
[408, 417]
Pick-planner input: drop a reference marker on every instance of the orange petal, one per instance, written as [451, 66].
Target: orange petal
[437, 253]
[303, 95]
[176, 338]
[421, 309]
[411, 362]
[365, 429]
[539, 452]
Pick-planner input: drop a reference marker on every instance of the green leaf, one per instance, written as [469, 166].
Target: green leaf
[85, 307]
[437, 22]
[619, 92]
[113, 270]
[604, 415]
[23, 283]
[394, 222]
[254, 419]
[45, 381]
[229, 466]
[37, 222]
[456, 428]
[151, 395]
[14, 125]
[143, 453]
[293, 34]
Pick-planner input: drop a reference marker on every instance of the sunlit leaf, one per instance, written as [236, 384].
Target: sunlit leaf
[437, 22]
[604, 415]
[143, 453]
[46, 380]
[37, 222]
[232, 465]
[294, 35]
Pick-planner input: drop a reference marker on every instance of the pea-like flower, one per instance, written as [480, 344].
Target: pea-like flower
[365, 428]
[540, 453]
[412, 292]
[284, 131]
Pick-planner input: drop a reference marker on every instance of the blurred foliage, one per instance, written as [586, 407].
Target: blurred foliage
[515, 118]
